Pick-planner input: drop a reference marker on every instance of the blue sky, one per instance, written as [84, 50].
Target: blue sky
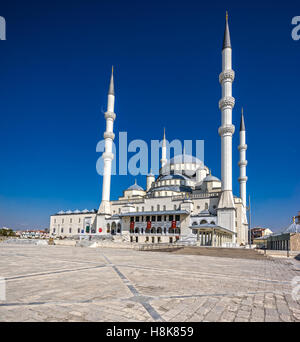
[55, 69]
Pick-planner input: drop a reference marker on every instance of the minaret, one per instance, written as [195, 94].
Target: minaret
[243, 162]
[226, 130]
[226, 208]
[164, 151]
[108, 155]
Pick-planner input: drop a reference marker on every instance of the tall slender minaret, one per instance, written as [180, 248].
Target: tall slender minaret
[108, 155]
[226, 130]
[243, 162]
[164, 159]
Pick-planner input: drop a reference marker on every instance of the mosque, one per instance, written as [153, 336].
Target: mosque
[185, 203]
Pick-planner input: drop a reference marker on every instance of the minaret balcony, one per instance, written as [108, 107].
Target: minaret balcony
[109, 135]
[243, 163]
[110, 115]
[226, 130]
[227, 75]
[227, 102]
[108, 155]
[242, 147]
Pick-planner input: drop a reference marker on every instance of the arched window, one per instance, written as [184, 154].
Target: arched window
[159, 230]
[108, 228]
[165, 230]
[212, 222]
[119, 228]
[171, 230]
[203, 222]
[113, 228]
[194, 223]
[153, 231]
[137, 230]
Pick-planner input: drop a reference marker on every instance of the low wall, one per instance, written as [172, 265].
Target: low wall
[64, 242]
[279, 254]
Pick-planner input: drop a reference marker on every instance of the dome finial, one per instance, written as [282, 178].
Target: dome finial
[226, 15]
[294, 219]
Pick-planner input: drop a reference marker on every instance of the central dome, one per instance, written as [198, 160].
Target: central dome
[184, 159]
[183, 164]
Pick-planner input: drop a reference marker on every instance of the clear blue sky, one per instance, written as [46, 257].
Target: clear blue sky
[55, 68]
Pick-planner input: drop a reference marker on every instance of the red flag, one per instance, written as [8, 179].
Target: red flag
[173, 224]
[148, 224]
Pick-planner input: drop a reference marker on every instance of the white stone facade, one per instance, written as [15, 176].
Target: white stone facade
[184, 202]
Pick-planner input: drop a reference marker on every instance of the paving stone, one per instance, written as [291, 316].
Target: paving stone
[83, 284]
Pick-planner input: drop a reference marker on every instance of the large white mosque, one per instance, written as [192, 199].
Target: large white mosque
[184, 202]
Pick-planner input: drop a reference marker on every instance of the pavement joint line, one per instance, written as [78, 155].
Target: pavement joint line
[52, 272]
[147, 306]
[206, 274]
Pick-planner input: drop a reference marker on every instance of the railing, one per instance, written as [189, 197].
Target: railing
[195, 196]
[126, 201]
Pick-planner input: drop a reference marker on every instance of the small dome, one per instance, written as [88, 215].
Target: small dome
[211, 178]
[76, 211]
[293, 228]
[85, 211]
[69, 212]
[135, 186]
[61, 212]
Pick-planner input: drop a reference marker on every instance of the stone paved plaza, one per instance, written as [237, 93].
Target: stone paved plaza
[59, 283]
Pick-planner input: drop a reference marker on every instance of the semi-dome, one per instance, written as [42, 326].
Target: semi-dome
[173, 176]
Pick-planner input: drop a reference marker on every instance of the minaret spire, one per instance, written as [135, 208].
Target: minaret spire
[108, 155]
[242, 125]
[226, 40]
[111, 85]
[164, 151]
[243, 162]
